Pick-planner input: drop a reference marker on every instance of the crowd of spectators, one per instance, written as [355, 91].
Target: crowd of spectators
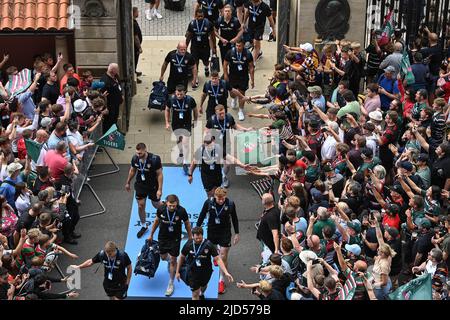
[39, 206]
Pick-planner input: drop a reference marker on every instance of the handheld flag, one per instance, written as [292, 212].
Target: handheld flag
[388, 29]
[406, 70]
[112, 138]
[416, 289]
[33, 149]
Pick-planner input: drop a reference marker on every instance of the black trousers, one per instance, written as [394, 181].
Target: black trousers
[69, 225]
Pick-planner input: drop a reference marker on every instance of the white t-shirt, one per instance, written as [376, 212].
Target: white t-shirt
[328, 150]
[23, 203]
[76, 139]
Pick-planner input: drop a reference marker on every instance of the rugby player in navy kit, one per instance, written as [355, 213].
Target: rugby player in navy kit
[228, 30]
[212, 9]
[118, 270]
[217, 91]
[220, 210]
[149, 181]
[210, 158]
[238, 69]
[183, 107]
[181, 62]
[218, 126]
[197, 253]
[169, 219]
[256, 14]
[200, 35]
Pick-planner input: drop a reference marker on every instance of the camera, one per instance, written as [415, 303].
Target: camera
[64, 190]
[324, 130]
[316, 261]
[300, 98]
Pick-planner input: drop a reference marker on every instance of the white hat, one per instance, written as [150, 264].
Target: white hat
[296, 296]
[79, 105]
[308, 47]
[45, 122]
[307, 255]
[13, 167]
[376, 116]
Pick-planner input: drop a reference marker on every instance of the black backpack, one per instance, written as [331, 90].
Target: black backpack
[148, 259]
[159, 96]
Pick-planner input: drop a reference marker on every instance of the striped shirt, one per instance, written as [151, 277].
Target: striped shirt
[438, 128]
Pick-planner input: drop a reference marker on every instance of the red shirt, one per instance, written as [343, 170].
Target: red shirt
[55, 163]
[446, 88]
[63, 82]
[393, 222]
[21, 149]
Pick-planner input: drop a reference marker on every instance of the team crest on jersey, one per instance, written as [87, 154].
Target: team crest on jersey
[206, 251]
[177, 218]
[221, 90]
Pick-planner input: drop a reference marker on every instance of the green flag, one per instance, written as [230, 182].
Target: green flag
[33, 149]
[416, 289]
[112, 138]
[406, 70]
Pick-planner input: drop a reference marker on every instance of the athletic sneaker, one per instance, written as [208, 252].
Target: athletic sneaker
[221, 287]
[241, 115]
[271, 37]
[142, 231]
[206, 72]
[148, 15]
[195, 86]
[169, 290]
[234, 103]
[185, 169]
[226, 182]
[157, 14]
[259, 56]
[138, 73]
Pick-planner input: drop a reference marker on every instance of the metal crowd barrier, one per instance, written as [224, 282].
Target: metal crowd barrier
[83, 178]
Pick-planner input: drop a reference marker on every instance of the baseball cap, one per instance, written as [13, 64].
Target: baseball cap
[314, 123]
[390, 69]
[393, 208]
[96, 85]
[327, 167]
[406, 165]
[13, 167]
[79, 105]
[355, 225]
[423, 157]
[315, 89]
[315, 194]
[353, 248]
[45, 122]
[392, 232]
[308, 47]
[376, 116]
[425, 223]
[307, 255]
